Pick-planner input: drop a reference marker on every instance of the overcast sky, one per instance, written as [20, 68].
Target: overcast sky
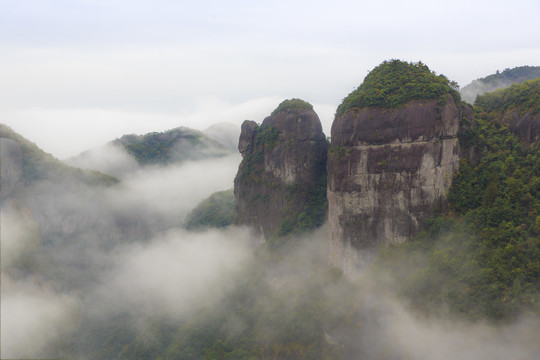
[77, 73]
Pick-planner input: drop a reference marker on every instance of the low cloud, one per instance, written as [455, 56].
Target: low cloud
[109, 159]
[479, 87]
[19, 233]
[74, 257]
[176, 273]
[171, 192]
[390, 330]
[34, 316]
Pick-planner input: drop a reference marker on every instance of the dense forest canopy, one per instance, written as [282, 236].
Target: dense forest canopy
[516, 75]
[525, 97]
[397, 82]
[292, 104]
[481, 254]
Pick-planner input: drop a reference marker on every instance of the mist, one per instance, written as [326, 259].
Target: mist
[90, 268]
[34, 315]
[109, 159]
[478, 87]
[106, 271]
[171, 192]
[76, 249]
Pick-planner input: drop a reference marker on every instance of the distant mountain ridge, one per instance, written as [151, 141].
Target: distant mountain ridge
[130, 152]
[171, 146]
[499, 80]
[38, 165]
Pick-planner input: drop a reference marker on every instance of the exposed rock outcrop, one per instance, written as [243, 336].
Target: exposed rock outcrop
[281, 182]
[387, 170]
[525, 126]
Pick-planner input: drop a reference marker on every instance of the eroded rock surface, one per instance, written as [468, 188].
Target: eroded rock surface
[387, 170]
[281, 183]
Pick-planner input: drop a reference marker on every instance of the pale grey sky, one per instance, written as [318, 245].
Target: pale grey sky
[77, 73]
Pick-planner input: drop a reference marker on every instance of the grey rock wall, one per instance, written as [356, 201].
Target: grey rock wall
[387, 171]
[283, 170]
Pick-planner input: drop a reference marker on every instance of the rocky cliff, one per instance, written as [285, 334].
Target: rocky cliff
[281, 181]
[388, 168]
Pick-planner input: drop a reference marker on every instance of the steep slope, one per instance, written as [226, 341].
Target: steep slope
[29, 164]
[480, 256]
[280, 185]
[517, 107]
[70, 206]
[64, 230]
[393, 154]
[500, 80]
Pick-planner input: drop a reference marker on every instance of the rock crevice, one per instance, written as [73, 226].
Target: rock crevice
[387, 170]
[281, 183]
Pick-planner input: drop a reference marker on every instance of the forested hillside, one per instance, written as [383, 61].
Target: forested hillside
[524, 97]
[173, 146]
[481, 254]
[214, 211]
[38, 165]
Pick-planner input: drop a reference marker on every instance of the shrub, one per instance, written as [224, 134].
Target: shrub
[292, 104]
[397, 82]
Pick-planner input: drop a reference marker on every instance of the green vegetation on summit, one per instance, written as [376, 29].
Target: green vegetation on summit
[397, 82]
[292, 104]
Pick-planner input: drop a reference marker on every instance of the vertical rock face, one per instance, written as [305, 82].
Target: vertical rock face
[387, 170]
[281, 182]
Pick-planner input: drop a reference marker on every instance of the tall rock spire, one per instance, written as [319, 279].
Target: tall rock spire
[280, 187]
[393, 154]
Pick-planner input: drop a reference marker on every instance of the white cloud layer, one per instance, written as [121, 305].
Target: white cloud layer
[175, 274]
[76, 74]
[34, 316]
